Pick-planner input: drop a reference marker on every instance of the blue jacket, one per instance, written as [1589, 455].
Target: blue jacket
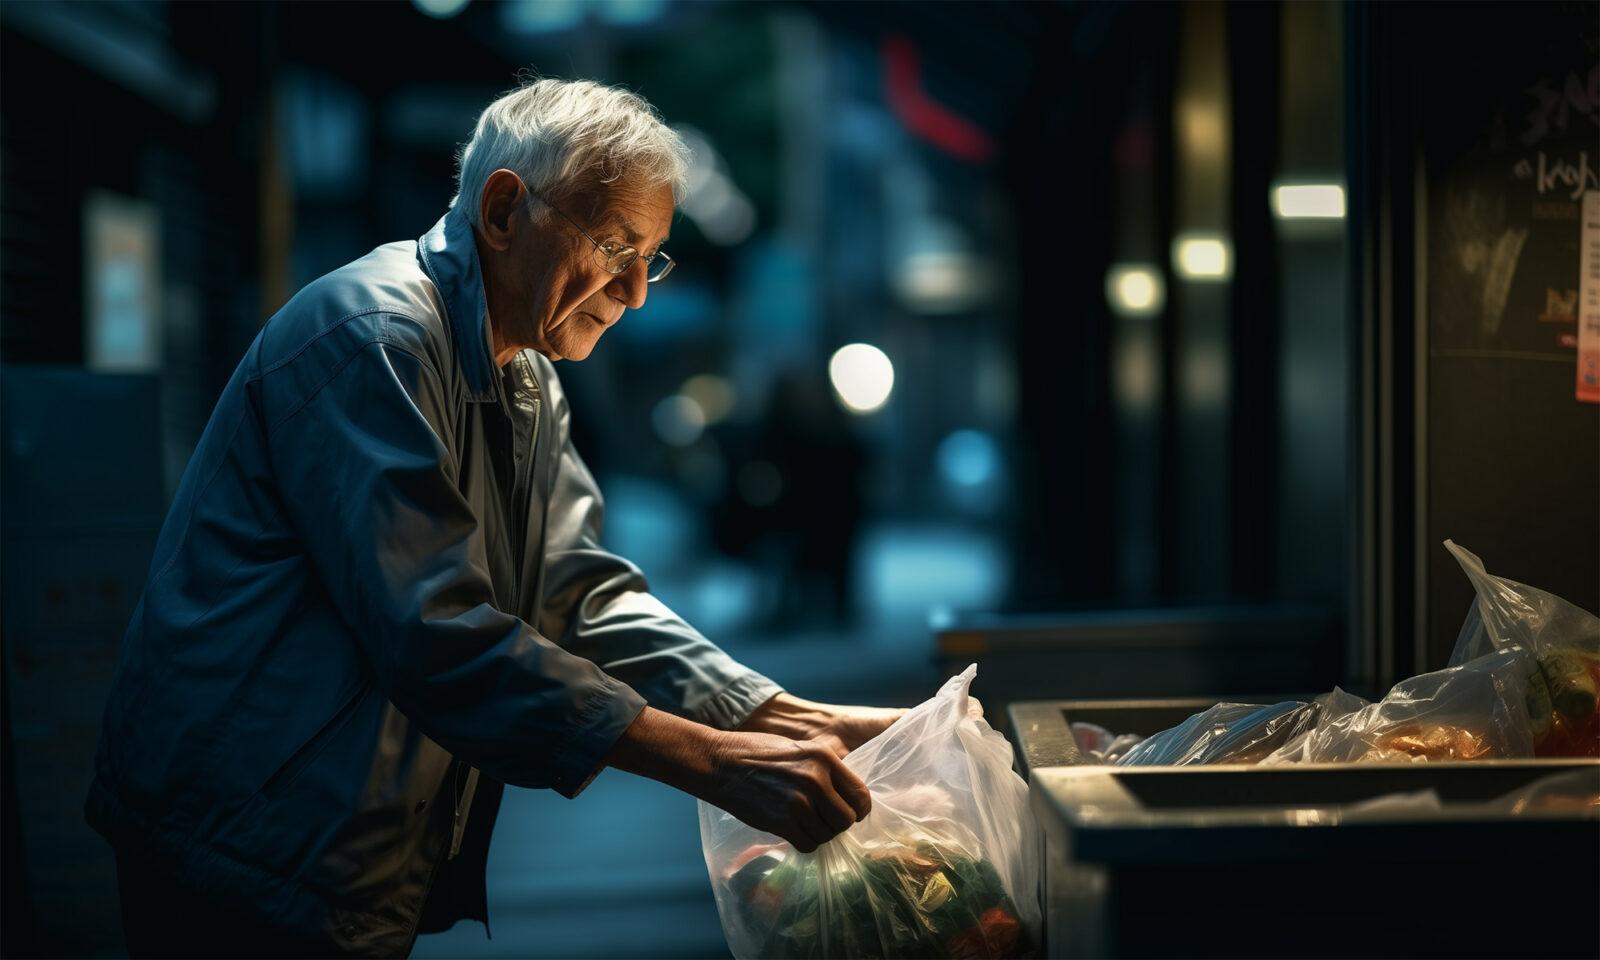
[381, 574]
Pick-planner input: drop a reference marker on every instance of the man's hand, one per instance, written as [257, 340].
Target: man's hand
[840, 728]
[797, 789]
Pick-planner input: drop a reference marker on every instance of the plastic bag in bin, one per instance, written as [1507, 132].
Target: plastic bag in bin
[1225, 733]
[1467, 712]
[1101, 745]
[945, 865]
[1563, 685]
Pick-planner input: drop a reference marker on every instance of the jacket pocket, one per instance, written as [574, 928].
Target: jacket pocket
[285, 776]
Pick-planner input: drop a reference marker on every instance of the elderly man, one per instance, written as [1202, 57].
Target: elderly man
[380, 594]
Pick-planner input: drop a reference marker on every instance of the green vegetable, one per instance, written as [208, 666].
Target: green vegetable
[900, 902]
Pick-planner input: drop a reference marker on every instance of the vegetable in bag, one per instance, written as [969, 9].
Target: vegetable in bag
[945, 865]
[1563, 686]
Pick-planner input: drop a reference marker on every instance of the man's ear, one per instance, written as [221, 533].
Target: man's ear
[503, 196]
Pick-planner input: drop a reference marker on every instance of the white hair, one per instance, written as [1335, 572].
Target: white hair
[565, 135]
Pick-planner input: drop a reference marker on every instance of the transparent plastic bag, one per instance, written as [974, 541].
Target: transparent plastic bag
[946, 864]
[1225, 733]
[1562, 688]
[1331, 707]
[1101, 745]
[1475, 710]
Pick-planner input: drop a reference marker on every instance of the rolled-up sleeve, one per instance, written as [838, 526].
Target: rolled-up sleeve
[366, 470]
[599, 606]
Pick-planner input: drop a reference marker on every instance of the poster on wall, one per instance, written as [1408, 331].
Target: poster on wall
[121, 276]
[1589, 303]
[1505, 212]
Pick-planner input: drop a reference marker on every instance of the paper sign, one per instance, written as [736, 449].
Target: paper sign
[1589, 301]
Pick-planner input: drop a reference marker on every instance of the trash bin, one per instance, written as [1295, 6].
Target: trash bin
[1251, 861]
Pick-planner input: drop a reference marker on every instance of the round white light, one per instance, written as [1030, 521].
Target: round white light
[1202, 256]
[1134, 290]
[1137, 290]
[862, 376]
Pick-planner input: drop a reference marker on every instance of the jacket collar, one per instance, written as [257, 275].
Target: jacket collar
[450, 257]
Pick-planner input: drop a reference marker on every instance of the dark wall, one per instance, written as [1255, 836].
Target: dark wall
[1512, 456]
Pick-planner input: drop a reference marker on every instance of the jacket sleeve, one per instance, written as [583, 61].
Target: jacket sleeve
[600, 607]
[366, 470]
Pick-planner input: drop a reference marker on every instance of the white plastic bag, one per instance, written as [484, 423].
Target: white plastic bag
[1511, 614]
[1101, 745]
[1459, 713]
[946, 864]
[1225, 733]
[1562, 684]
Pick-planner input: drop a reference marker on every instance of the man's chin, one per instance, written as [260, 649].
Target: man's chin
[574, 352]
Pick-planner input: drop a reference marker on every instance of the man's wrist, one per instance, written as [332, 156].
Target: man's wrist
[787, 716]
[677, 752]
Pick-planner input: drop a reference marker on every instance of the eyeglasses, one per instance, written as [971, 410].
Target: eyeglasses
[616, 257]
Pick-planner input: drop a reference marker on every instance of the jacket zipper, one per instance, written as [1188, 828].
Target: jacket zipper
[463, 802]
[529, 399]
[521, 491]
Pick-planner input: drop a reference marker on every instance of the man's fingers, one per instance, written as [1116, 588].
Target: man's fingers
[853, 791]
[835, 814]
[798, 789]
[806, 830]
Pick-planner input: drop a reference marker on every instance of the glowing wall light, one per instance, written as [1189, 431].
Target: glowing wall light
[528, 17]
[862, 376]
[629, 13]
[1202, 256]
[440, 9]
[1135, 290]
[1308, 201]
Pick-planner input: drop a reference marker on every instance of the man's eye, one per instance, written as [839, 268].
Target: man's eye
[612, 247]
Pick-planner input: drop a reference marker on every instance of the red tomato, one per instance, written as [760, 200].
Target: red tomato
[1001, 929]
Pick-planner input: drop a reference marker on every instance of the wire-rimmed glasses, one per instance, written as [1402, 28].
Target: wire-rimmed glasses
[615, 256]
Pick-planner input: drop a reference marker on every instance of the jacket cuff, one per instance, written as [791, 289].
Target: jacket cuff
[736, 701]
[605, 718]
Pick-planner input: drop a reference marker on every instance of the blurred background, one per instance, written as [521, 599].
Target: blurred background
[1127, 349]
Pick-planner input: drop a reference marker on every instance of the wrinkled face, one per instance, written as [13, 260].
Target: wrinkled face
[562, 299]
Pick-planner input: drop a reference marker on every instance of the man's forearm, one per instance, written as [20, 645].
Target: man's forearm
[679, 753]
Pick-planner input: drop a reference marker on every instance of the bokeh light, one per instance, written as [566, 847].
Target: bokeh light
[678, 420]
[1134, 290]
[862, 375]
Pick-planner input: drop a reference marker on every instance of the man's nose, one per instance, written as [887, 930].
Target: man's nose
[630, 285]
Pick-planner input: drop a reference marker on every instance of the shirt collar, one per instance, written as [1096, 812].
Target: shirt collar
[450, 258]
